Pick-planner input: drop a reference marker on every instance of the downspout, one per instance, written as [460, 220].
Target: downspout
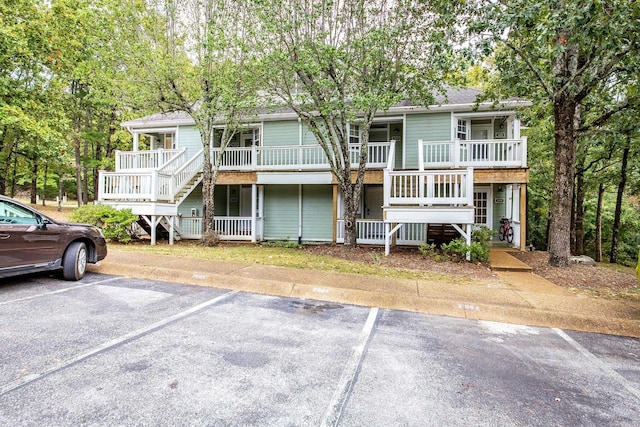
[299, 214]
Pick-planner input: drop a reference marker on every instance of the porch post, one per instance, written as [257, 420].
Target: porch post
[171, 229]
[153, 230]
[387, 232]
[523, 217]
[261, 211]
[254, 207]
[468, 236]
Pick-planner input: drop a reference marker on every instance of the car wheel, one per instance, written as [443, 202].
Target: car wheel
[74, 263]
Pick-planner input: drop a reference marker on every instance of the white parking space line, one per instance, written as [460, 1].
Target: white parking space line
[341, 394]
[599, 363]
[60, 291]
[113, 343]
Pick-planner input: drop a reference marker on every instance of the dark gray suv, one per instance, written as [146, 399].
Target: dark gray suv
[32, 242]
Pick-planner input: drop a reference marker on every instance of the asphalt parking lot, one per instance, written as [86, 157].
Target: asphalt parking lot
[120, 351]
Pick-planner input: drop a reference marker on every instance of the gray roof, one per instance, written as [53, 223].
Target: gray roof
[461, 97]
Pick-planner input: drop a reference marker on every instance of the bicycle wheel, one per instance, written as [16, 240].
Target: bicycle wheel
[501, 232]
[509, 234]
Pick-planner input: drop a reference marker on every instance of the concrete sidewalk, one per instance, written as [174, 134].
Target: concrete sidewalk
[514, 296]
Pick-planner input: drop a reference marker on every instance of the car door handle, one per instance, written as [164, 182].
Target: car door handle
[4, 236]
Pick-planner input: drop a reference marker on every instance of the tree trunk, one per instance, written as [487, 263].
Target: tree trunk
[350, 215]
[44, 184]
[208, 205]
[85, 174]
[34, 181]
[76, 152]
[579, 213]
[613, 255]
[13, 175]
[565, 115]
[3, 172]
[598, 254]
[60, 192]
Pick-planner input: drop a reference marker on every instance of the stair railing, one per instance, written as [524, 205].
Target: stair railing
[183, 175]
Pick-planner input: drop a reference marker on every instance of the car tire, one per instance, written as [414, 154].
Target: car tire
[74, 262]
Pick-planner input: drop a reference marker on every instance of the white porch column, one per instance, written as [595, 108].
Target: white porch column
[171, 229]
[254, 207]
[136, 139]
[153, 229]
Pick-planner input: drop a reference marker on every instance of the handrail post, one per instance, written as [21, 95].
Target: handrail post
[387, 187]
[456, 152]
[118, 160]
[154, 186]
[523, 148]
[101, 185]
[420, 155]
[469, 186]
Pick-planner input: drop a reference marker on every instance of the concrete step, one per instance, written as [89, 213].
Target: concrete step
[501, 260]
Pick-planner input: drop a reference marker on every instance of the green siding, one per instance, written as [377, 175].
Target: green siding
[193, 200]
[189, 138]
[281, 133]
[308, 138]
[317, 213]
[281, 212]
[428, 127]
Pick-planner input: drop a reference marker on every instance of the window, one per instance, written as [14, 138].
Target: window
[354, 134]
[14, 214]
[461, 130]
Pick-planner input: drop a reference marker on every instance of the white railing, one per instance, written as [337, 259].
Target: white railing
[236, 158]
[454, 187]
[295, 157]
[174, 163]
[132, 160]
[187, 171]
[190, 227]
[371, 231]
[477, 153]
[292, 157]
[229, 228]
[116, 185]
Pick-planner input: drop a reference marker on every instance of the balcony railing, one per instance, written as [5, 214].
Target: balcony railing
[137, 160]
[228, 228]
[428, 188]
[295, 157]
[486, 153]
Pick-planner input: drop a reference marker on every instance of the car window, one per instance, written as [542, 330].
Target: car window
[11, 213]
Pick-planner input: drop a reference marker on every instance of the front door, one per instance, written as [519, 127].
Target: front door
[483, 208]
[373, 200]
[480, 132]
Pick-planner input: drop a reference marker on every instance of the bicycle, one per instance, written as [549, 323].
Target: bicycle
[506, 230]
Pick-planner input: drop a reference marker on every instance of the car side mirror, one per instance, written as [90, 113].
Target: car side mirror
[43, 225]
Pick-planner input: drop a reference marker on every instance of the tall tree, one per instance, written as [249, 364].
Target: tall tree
[204, 68]
[338, 63]
[559, 52]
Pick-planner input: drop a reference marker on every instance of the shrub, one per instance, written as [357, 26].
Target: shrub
[456, 250]
[116, 224]
[427, 249]
[282, 244]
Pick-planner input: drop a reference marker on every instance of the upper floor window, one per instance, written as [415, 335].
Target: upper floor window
[462, 130]
[354, 134]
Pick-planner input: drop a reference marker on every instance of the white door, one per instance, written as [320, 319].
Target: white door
[480, 132]
[483, 213]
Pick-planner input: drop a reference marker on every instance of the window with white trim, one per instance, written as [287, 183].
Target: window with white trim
[461, 130]
[354, 134]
